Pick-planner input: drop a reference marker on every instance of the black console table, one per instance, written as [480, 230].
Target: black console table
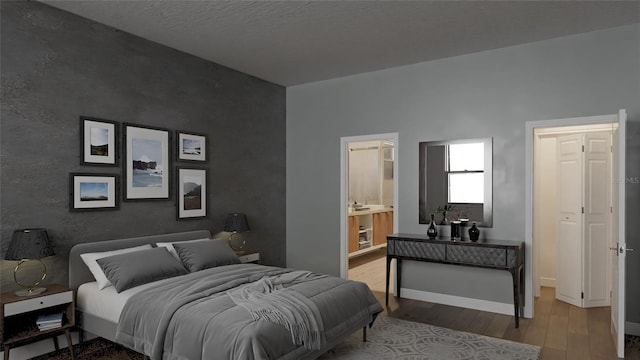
[490, 254]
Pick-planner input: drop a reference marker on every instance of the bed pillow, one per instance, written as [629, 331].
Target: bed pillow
[90, 260]
[172, 250]
[140, 267]
[206, 254]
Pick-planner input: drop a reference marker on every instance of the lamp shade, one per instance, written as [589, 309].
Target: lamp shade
[236, 222]
[29, 244]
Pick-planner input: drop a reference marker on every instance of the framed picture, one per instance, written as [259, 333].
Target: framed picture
[192, 193]
[191, 147]
[93, 192]
[146, 162]
[98, 142]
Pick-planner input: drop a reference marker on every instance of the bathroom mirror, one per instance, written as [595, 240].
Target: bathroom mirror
[458, 174]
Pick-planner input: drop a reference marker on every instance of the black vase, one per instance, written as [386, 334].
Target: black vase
[474, 233]
[432, 231]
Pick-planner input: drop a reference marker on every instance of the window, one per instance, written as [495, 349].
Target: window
[465, 173]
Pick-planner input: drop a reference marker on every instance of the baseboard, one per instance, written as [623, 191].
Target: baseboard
[632, 328]
[547, 282]
[476, 304]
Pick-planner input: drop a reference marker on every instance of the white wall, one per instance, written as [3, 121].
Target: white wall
[486, 94]
[546, 209]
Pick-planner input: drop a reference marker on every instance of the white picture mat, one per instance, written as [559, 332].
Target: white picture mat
[192, 173]
[111, 128]
[111, 188]
[203, 147]
[147, 192]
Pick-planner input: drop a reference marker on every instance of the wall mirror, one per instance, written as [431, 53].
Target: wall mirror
[457, 174]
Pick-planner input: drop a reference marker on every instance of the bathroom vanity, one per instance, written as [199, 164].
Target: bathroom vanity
[368, 229]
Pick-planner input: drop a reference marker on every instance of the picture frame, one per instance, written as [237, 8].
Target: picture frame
[98, 142]
[147, 162]
[191, 146]
[191, 193]
[90, 192]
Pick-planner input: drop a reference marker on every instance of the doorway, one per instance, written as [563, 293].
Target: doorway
[618, 214]
[572, 212]
[369, 197]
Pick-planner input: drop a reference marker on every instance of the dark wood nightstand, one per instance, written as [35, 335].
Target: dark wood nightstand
[248, 256]
[18, 315]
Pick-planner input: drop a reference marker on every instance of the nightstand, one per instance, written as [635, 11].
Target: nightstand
[248, 256]
[18, 315]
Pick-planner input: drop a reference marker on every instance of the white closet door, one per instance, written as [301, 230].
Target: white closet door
[569, 192]
[597, 219]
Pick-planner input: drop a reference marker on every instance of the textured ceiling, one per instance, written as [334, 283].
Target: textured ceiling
[296, 42]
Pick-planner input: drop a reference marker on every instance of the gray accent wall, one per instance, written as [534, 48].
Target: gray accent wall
[57, 66]
[486, 94]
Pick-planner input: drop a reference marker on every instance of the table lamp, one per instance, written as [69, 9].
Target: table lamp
[236, 223]
[26, 245]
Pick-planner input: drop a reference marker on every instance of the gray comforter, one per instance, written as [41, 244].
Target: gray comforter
[192, 316]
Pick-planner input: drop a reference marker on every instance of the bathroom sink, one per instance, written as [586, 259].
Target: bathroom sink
[374, 207]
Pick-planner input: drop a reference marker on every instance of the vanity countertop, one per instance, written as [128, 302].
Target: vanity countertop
[369, 211]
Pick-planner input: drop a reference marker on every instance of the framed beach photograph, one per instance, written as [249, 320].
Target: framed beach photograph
[93, 192]
[147, 161]
[98, 142]
[191, 193]
[191, 147]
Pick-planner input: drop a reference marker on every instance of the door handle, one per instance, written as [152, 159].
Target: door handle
[621, 249]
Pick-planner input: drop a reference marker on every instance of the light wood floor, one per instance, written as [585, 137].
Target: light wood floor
[563, 331]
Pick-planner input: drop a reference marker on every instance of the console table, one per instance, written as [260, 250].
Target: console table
[490, 254]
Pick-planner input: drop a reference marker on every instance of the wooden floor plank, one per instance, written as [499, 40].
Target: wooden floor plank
[560, 308]
[517, 334]
[600, 340]
[577, 347]
[499, 325]
[578, 321]
[557, 332]
[535, 335]
[553, 354]
[481, 322]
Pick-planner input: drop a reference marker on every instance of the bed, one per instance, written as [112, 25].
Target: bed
[229, 310]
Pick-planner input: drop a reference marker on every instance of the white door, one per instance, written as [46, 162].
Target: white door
[569, 195]
[618, 238]
[597, 219]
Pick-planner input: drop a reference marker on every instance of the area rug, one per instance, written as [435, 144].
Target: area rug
[98, 349]
[389, 338]
[392, 338]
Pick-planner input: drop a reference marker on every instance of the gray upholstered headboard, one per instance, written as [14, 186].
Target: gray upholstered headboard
[79, 272]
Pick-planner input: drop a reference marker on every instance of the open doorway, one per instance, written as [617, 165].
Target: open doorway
[369, 199]
[617, 234]
[573, 212]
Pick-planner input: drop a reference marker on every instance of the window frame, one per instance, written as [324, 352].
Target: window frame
[448, 172]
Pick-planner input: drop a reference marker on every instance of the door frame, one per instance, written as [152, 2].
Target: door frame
[541, 134]
[530, 135]
[344, 181]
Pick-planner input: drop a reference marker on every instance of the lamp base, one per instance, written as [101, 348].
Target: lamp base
[233, 245]
[30, 289]
[30, 292]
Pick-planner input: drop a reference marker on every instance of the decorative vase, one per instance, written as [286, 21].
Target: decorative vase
[432, 231]
[474, 233]
[455, 230]
[444, 219]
